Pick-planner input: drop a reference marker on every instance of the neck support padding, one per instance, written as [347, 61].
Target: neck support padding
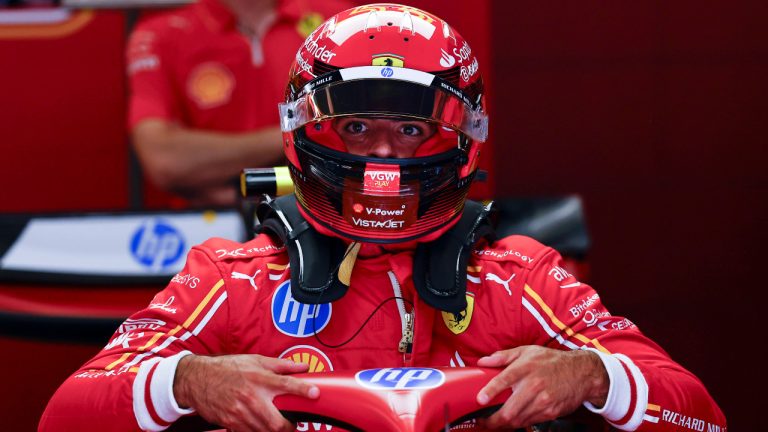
[315, 258]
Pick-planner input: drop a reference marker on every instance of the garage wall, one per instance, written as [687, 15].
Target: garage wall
[654, 112]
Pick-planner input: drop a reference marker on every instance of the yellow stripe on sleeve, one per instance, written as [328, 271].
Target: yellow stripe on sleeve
[122, 358]
[569, 331]
[202, 305]
[186, 325]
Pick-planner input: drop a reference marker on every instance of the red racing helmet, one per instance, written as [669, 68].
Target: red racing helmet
[383, 61]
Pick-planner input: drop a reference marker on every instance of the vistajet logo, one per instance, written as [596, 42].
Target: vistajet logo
[386, 224]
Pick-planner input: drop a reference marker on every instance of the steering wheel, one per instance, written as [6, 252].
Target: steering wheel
[393, 399]
[407, 399]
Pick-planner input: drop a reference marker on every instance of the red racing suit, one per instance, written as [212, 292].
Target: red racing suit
[236, 298]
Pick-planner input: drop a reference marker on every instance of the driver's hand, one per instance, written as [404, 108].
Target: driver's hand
[236, 391]
[546, 384]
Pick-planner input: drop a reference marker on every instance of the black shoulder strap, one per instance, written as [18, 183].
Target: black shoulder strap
[314, 258]
[440, 267]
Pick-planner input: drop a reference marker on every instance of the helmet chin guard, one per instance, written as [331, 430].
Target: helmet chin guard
[378, 200]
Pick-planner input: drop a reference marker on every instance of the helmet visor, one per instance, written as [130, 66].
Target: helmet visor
[384, 91]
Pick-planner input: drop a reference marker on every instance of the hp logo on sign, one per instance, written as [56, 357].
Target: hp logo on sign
[157, 245]
[400, 378]
[297, 319]
[387, 72]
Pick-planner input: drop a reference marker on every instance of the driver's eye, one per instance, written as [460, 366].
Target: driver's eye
[411, 130]
[355, 127]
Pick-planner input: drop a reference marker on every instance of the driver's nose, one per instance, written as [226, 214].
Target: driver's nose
[381, 145]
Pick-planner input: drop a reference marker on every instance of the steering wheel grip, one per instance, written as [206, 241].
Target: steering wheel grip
[347, 402]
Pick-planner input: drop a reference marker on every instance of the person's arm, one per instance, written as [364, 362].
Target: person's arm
[147, 376]
[236, 391]
[547, 383]
[200, 165]
[583, 354]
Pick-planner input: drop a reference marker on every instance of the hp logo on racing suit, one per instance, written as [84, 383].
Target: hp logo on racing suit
[400, 378]
[387, 72]
[157, 245]
[297, 319]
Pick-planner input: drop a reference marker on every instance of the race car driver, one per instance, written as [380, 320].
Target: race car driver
[378, 260]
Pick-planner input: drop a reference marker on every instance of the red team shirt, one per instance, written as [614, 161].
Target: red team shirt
[194, 66]
[235, 298]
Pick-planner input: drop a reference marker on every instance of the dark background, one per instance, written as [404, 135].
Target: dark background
[654, 112]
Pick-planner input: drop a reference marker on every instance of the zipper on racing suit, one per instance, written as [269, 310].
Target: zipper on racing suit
[406, 319]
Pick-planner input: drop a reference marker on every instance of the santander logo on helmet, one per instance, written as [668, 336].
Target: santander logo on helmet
[375, 61]
[446, 60]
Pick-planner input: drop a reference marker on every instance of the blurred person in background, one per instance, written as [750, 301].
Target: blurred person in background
[204, 81]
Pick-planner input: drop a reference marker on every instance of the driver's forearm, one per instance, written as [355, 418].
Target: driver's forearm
[182, 380]
[595, 378]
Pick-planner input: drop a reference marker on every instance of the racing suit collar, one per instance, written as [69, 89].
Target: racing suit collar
[372, 250]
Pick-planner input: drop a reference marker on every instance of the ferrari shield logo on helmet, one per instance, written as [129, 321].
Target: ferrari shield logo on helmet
[387, 59]
[458, 323]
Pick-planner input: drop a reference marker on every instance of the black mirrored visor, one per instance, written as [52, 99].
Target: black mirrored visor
[343, 171]
[341, 164]
[385, 97]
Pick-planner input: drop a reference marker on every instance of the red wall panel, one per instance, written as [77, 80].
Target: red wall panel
[62, 134]
[654, 112]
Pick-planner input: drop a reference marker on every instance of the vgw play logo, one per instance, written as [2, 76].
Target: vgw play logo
[157, 245]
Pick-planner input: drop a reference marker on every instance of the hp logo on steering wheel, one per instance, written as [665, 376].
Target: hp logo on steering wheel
[400, 378]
